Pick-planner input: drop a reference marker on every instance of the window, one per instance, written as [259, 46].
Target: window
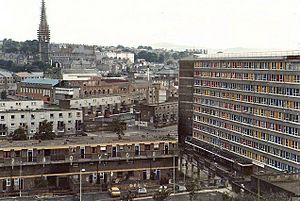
[17, 153]
[6, 154]
[12, 116]
[8, 182]
[147, 147]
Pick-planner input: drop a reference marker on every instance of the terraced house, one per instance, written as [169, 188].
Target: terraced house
[248, 105]
[104, 159]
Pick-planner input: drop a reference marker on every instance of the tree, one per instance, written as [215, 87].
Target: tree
[161, 195]
[192, 187]
[148, 56]
[118, 126]
[29, 47]
[128, 196]
[19, 134]
[3, 95]
[10, 46]
[45, 131]
[41, 183]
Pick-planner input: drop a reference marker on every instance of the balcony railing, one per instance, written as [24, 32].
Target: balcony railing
[78, 157]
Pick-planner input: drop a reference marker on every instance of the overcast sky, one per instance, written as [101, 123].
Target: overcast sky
[193, 23]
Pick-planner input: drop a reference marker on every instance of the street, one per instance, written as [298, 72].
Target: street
[203, 195]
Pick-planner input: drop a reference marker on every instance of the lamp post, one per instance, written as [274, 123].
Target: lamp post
[174, 172]
[20, 180]
[80, 184]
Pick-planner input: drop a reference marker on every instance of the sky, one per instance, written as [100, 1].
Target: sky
[258, 24]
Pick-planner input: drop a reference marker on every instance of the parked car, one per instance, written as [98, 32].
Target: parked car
[114, 192]
[162, 187]
[142, 190]
[180, 188]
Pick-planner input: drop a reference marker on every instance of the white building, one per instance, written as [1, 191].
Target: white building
[126, 55]
[79, 74]
[7, 82]
[118, 55]
[30, 113]
[25, 75]
[61, 93]
[98, 106]
[90, 102]
[21, 105]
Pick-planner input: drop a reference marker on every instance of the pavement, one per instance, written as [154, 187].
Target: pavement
[204, 195]
[132, 131]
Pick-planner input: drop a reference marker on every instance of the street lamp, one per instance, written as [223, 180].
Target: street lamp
[20, 180]
[80, 184]
[174, 172]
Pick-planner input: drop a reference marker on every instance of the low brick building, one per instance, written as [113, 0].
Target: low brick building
[159, 115]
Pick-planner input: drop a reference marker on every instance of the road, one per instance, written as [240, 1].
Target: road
[204, 195]
[200, 196]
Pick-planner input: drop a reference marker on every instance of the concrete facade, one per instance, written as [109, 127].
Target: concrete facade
[65, 122]
[21, 105]
[248, 105]
[159, 115]
[106, 161]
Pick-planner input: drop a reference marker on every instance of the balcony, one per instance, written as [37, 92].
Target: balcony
[79, 158]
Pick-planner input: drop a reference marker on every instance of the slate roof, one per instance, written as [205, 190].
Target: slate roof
[45, 81]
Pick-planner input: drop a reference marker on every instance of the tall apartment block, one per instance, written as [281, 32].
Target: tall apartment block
[248, 105]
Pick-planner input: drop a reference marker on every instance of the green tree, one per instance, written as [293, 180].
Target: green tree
[19, 134]
[29, 47]
[3, 95]
[41, 183]
[45, 131]
[192, 187]
[148, 56]
[118, 126]
[161, 195]
[10, 46]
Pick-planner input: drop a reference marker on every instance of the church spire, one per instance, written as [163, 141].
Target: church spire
[43, 35]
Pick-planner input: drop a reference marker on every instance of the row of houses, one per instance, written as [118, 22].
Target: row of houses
[30, 114]
[106, 161]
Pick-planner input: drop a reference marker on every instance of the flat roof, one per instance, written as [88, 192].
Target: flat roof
[161, 103]
[93, 97]
[46, 81]
[38, 110]
[82, 141]
[247, 55]
[288, 182]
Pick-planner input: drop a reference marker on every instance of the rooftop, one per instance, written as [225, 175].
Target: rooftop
[41, 81]
[288, 182]
[162, 103]
[38, 110]
[82, 141]
[248, 55]
[5, 73]
[95, 97]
